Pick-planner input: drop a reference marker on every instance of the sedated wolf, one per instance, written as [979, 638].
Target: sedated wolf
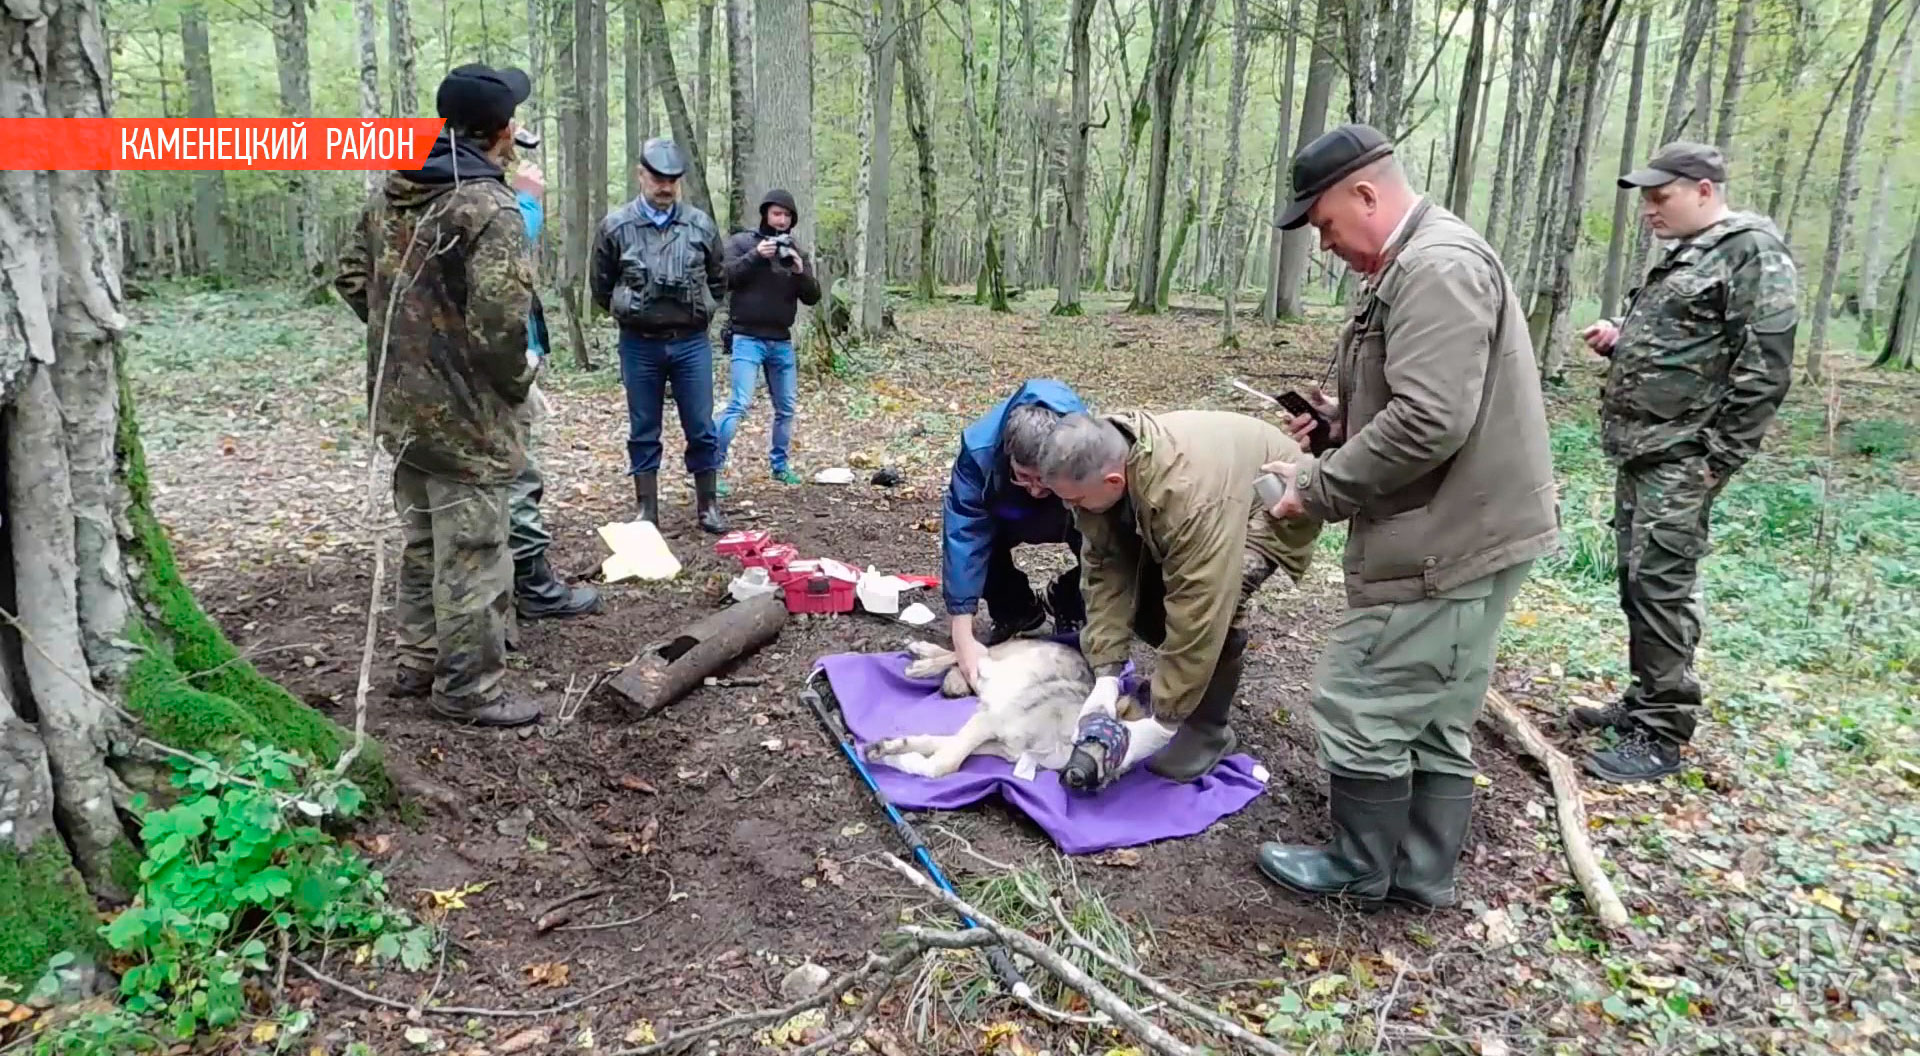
[1031, 693]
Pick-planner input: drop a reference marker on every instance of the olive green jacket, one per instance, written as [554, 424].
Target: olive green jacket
[1190, 508]
[1445, 472]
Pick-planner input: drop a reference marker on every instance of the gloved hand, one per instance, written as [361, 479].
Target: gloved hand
[1144, 737]
[1105, 697]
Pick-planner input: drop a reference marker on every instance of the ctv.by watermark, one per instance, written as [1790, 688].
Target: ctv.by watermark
[1825, 958]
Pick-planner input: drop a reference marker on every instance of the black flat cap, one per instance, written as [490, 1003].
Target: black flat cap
[1680, 160]
[1336, 155]
[661, 156]
[479, 98]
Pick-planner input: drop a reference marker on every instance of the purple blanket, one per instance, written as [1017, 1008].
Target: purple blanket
[880, 701]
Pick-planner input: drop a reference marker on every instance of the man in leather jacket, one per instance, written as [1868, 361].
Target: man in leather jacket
[656, 270]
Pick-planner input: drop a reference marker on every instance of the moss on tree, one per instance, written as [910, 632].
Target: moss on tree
[44, 909]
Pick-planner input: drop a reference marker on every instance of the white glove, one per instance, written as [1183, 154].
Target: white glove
[1104, 699]
[533, 361]
[1144, 737]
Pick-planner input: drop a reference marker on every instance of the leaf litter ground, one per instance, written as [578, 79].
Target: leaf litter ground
[734, 838]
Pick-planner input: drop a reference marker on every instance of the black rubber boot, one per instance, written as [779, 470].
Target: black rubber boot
[538, 594]
[1205, 738]
[1370, 817]
[646, 495]
[1437, 822]
[706, 496]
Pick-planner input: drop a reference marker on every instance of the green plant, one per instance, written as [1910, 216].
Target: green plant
[114, 1032]
[1886, 438]
[238, 859]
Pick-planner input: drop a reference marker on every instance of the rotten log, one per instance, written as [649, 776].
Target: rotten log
[1572, 812]
[669, 669]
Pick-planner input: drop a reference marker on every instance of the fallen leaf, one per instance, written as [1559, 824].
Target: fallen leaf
[649, 831]
[551, 973]
[773, 744]
[829, 871]
[855, 829]
[1124, 857]
[263, 1033]
[1491, 1045]
[420, 1036]
[523, 1041]
[641, 1033]
[635, 784]
[456, 897]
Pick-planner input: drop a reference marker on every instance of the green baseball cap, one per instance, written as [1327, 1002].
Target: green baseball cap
[1680, 160]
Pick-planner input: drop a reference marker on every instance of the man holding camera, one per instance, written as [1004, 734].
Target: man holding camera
[769, 278]
[656, 270]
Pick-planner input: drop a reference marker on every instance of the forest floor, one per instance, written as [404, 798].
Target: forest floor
[1770, 884]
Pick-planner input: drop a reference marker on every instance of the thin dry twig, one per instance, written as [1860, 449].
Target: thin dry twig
[547, 917]
[458, 1010]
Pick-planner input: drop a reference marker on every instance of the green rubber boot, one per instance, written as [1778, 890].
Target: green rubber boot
[1370, 818]
[1437, 823]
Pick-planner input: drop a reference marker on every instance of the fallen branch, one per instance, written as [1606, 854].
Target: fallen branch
[1040, 953]
[1572, 812]
[548, 917]
[887, 967]
[456, 1010]
[1220, 1024]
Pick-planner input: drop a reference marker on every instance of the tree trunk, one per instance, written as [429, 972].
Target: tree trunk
[1282, 167]
[1138, 115]
[1591, 30]
[1674, 121]
[406, 91]
[296, 101]
[1460, 173]
[1791, 77]
[989, 283]
[783, 125]
[600, 117]
[1622, 196]
[1072, 253]
[633, 112]
[653, 27]
[1552, 171]
[1736, 67]
[209, 186]
[1357, 29]
[1539, 86]
[1231, 235]
[740, 101]
[1897, 352]
[1876, 247]
[1504, 160]
[876, 161]
[1294, 244]
[920, 125]
[1174, 41]
[1842, 210]
[703, 79]
[80, 540]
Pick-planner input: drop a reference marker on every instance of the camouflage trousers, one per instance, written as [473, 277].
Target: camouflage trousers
[456, 582]
[1660, 513]
[1150, 623]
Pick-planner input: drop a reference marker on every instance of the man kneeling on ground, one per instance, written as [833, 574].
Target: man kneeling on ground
[995, 502]
[1176, 541]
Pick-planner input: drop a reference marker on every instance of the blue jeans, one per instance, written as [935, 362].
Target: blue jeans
[647, 367]
[750, 356]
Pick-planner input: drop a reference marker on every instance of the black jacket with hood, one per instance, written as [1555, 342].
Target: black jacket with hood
[766, 293]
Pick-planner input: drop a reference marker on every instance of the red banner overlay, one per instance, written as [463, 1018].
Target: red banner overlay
[264, 145]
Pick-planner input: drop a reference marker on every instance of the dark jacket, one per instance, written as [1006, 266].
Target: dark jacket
[766, 292]
[658, 282]
[438, 270]
[983, 501]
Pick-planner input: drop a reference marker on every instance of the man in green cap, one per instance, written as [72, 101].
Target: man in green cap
[1697, 366]
[1437, 457]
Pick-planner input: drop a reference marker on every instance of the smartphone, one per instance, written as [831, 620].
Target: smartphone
[1297, 404]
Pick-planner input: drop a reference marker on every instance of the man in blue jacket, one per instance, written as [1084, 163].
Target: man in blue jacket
[996, 502]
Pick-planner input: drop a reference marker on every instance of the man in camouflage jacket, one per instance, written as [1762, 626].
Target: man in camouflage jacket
[1698, 365]
[438, 270]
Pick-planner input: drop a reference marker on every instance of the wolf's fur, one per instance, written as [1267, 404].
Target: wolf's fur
[1031, 692]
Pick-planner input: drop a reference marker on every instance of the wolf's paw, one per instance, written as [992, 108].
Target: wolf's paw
[918, 764]
[880, 750]
[930, 666]
[926, 650]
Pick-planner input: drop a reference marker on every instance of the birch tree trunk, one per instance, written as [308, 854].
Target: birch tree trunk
[1232, 238]
[1294, 244]
[400, 51]
[919, 124]
[1460, 173]
[1876, 247]
[1842, 210]
[293, 63]
[1510, 122]
[1282, 167]
[1622, 196]
[876, 161]
[740, 100]
[209, 186]
[1072, 253]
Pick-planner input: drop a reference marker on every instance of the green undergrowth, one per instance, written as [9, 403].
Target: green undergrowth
[44, 910]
